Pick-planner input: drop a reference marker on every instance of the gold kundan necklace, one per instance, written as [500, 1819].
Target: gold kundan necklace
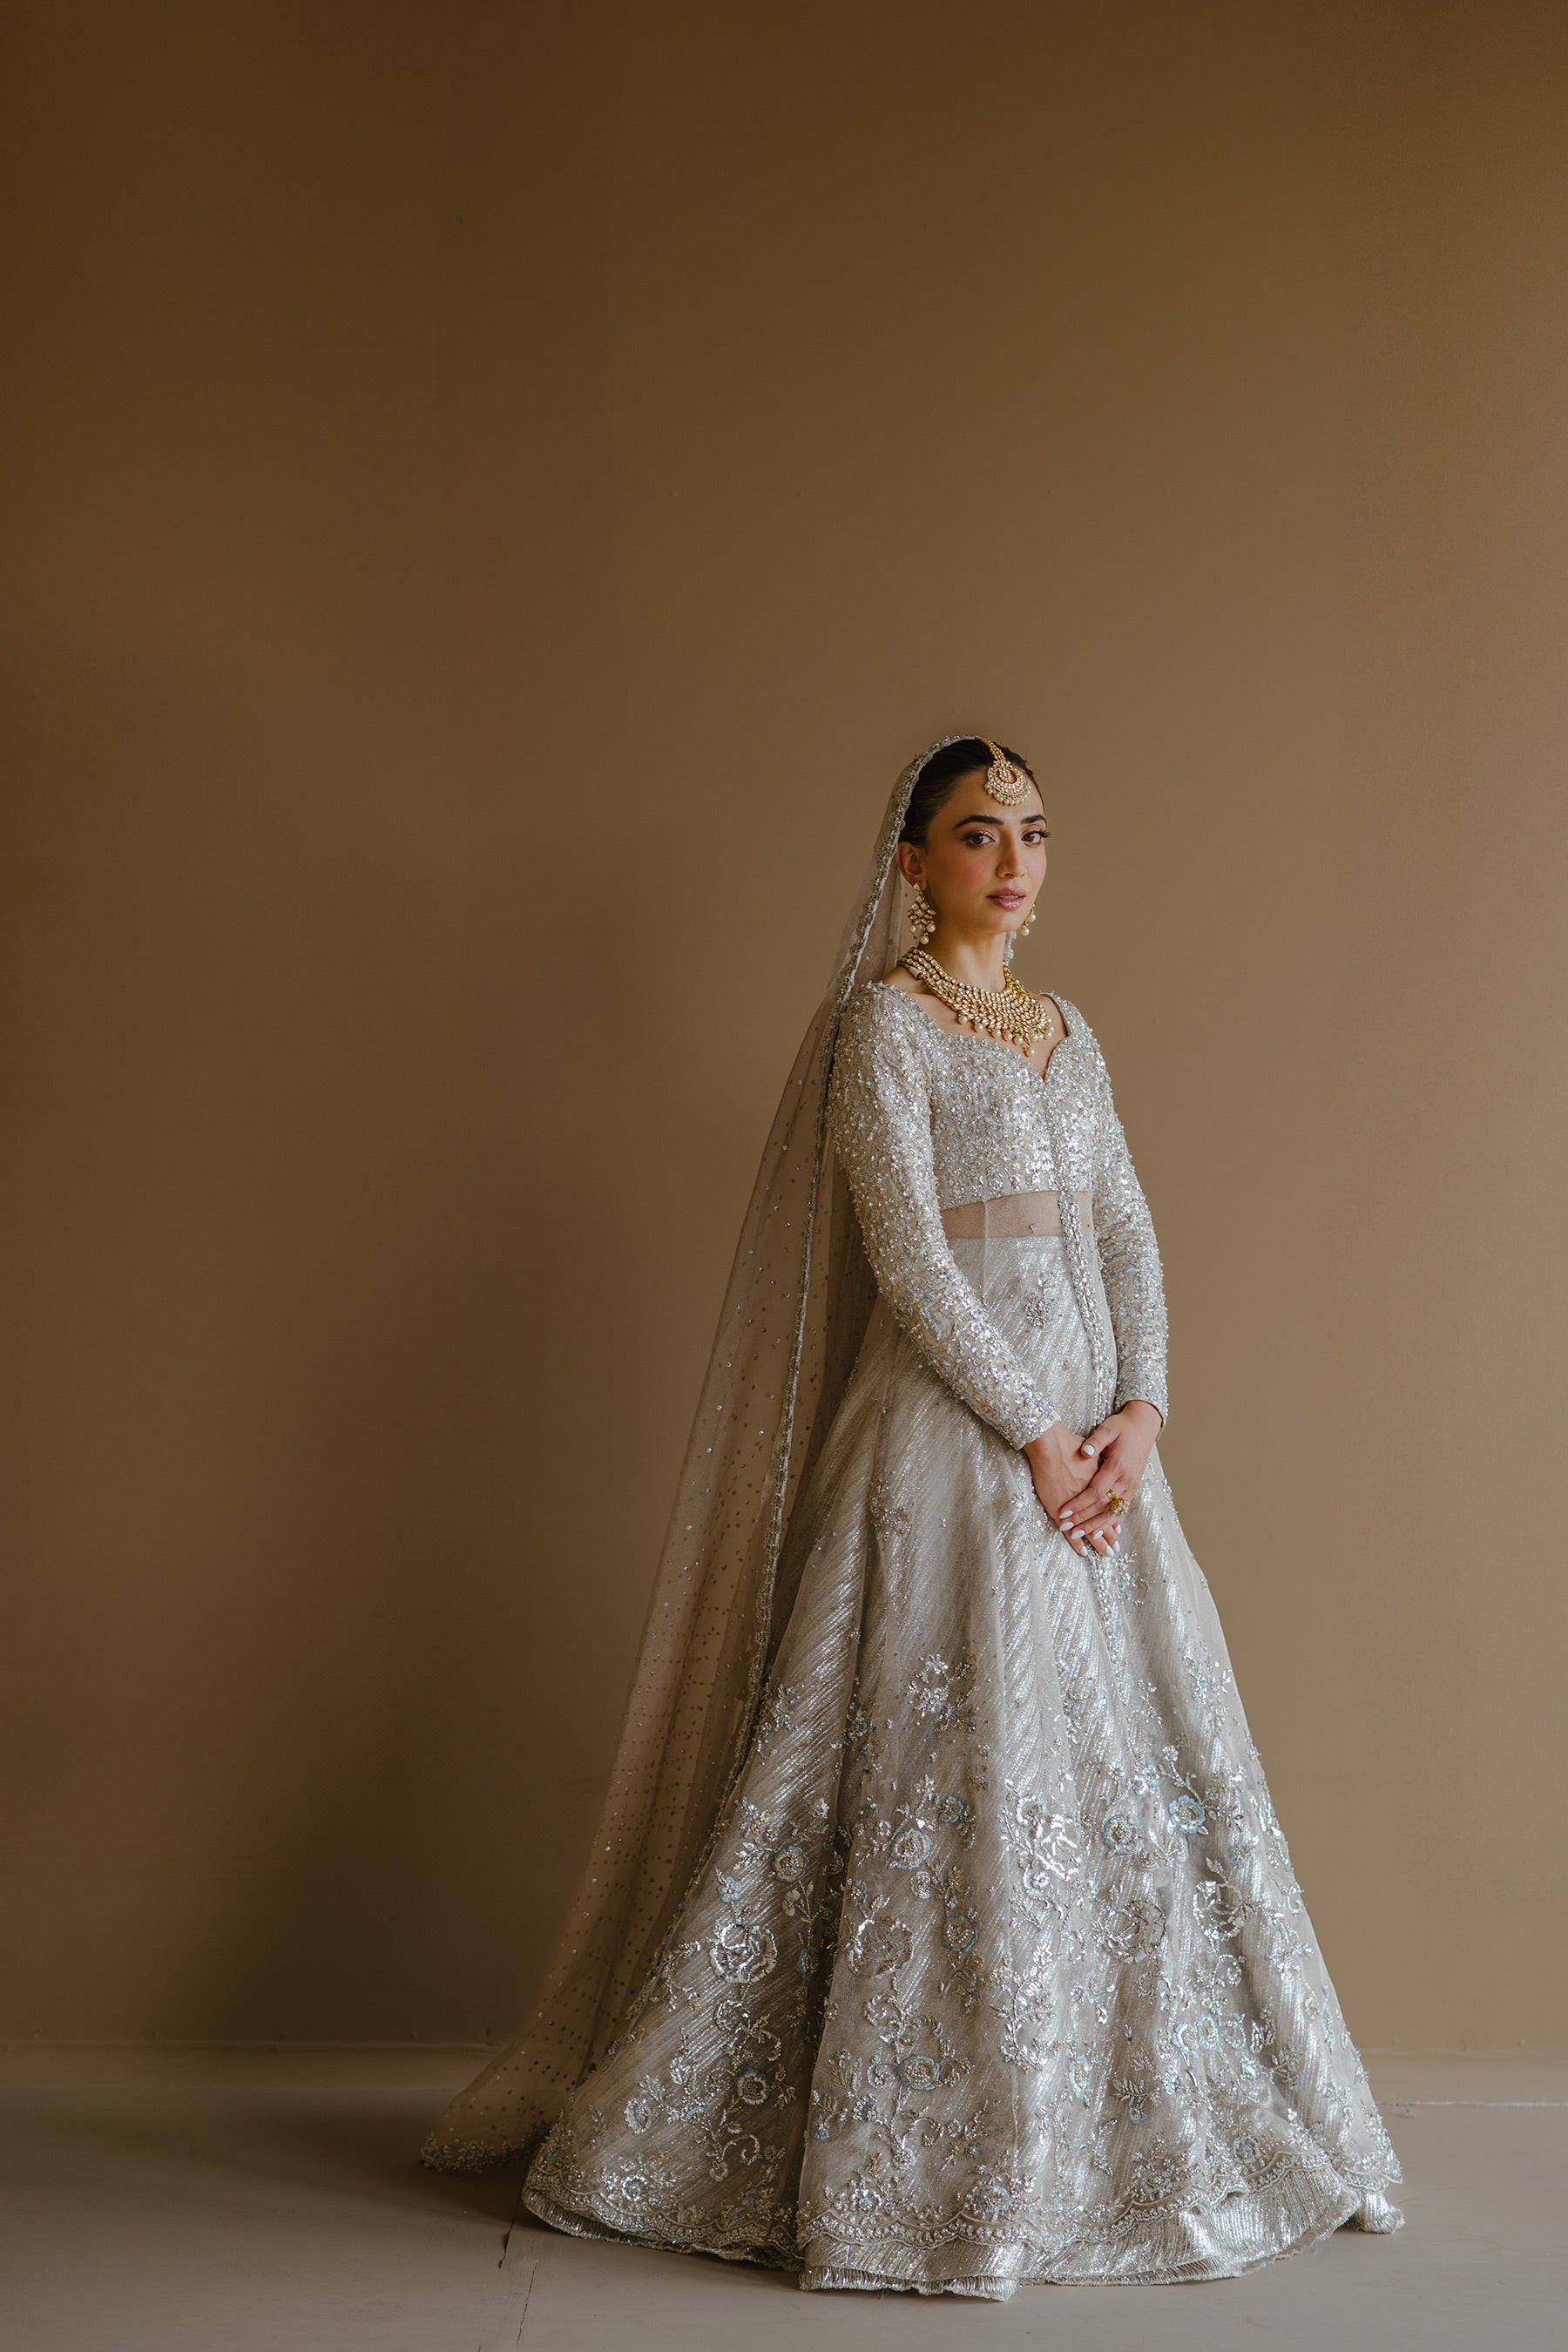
[1009, 1012]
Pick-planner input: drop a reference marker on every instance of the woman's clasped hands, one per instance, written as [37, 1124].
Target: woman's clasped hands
[1079, 1479]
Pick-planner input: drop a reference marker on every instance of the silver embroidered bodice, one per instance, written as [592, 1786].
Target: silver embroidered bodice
[924, 1120]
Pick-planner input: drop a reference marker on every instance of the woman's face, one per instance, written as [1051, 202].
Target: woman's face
[981, 865]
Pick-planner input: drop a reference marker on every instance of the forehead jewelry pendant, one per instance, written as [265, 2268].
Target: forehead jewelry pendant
[1004, 782]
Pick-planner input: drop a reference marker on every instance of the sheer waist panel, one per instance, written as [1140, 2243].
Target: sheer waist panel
[1016, 1213]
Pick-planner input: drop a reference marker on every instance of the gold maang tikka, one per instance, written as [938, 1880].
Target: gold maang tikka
[1004, 782]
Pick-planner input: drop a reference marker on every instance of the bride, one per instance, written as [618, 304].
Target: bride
[939, 1932]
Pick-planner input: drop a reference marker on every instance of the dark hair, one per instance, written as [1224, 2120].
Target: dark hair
[938, 777]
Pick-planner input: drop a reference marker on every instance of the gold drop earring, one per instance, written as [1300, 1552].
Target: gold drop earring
[1024, 928]
[922, 915]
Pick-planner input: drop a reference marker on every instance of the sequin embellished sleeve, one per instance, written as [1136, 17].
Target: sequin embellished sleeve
[1128, 1258]
[879, 1112]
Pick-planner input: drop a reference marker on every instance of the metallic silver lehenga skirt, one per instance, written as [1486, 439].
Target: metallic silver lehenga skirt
[998, 1969]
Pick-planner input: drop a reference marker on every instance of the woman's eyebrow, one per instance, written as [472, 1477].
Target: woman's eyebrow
[961, 822]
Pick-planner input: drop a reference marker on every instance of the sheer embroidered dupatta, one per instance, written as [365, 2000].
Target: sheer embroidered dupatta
[794, 1312]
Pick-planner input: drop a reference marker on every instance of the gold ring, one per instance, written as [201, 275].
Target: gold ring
[1117, 1502]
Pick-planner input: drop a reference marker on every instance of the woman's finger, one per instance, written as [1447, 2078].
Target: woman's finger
[1102, 1522]
[1088, 1500]
[1096, 1538]
[1093, 1501]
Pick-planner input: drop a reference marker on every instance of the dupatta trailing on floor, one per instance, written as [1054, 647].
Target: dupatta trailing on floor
[799, 1296]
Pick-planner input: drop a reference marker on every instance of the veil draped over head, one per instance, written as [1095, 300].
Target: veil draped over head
[799, 1296]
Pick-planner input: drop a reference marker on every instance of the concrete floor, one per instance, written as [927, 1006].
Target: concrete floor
[253, 2204]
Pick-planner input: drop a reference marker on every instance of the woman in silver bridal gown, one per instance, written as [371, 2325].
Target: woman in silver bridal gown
[939, 1932]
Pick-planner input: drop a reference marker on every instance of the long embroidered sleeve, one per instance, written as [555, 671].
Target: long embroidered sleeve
[1128, 1261]
[880, 1114]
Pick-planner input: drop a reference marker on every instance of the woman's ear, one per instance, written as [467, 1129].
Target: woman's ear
[912, 866]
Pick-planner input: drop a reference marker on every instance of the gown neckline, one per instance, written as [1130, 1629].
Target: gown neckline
[979, 1037]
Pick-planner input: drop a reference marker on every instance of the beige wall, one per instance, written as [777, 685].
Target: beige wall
[496, 505]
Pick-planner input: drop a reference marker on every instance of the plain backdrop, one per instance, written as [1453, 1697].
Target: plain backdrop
[495, 494]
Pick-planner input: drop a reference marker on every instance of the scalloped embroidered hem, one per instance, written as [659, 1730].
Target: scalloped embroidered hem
[1302, 2201]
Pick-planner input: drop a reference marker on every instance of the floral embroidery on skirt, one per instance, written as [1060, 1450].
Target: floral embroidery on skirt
[998, 1969]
